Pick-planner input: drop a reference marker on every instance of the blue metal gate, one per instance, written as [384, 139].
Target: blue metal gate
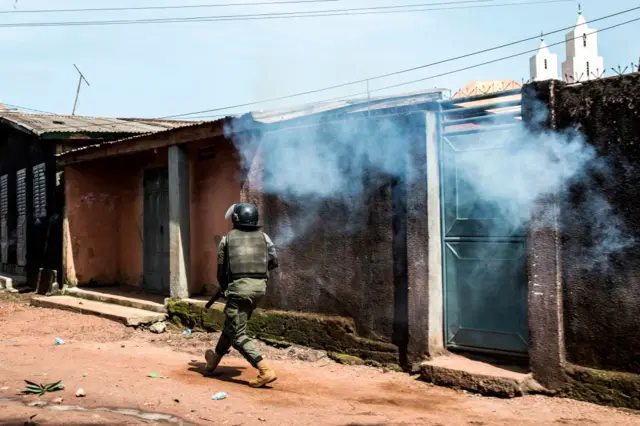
[484, 254]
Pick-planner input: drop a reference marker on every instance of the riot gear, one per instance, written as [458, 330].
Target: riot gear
[243, 215]
[247, 254]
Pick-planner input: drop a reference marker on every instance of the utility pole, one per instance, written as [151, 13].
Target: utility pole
[78, 91]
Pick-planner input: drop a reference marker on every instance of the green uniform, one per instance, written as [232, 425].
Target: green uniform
[243, 266]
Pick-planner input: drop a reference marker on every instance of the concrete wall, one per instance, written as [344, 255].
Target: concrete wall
[348, 257]
[602, 302]
[587, 304]
[104, 219]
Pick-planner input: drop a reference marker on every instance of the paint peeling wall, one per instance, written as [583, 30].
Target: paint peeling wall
[104, 227]
[91, 245]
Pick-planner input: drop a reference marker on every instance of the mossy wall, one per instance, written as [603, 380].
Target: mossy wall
[330, 333]
[603, 387]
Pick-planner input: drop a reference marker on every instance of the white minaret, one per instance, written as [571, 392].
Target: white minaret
[583, 62]
[544, 64]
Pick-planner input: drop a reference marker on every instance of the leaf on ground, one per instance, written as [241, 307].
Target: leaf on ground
[156, 376]
[39, 389]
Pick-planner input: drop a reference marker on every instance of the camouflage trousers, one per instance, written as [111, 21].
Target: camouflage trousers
[238, 311]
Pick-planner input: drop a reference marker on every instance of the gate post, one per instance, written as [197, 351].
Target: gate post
[179, 222]
[434, 232]
[546, 322]
[424, 244]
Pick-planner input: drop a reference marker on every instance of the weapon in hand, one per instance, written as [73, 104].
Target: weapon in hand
[215, 297]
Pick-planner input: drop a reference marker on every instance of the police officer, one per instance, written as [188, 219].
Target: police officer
[245, 257]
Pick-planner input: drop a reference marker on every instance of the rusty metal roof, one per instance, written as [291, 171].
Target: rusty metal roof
[41, 124]
[284, 114]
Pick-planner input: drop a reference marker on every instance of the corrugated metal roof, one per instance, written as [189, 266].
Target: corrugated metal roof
[40, 124]
[284, 114]
[347, 106]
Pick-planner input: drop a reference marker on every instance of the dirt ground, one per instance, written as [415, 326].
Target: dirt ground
[112, 363]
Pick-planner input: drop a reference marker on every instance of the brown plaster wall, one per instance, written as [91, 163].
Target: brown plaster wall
[546, 337]
[104, 209]
[349, 256]
[602, 303]
[92, 215]
[215, 185]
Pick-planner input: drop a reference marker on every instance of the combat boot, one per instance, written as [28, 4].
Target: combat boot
[266, 376]
[213, 359]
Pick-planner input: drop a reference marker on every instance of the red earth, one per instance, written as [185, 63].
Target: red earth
[112, 364]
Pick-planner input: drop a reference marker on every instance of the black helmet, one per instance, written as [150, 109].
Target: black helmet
[243, 215]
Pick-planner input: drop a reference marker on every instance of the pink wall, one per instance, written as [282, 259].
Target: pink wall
[103, 230]
[215, 185]
[90, 243]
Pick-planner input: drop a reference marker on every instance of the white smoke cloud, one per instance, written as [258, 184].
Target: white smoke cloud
[344, 161]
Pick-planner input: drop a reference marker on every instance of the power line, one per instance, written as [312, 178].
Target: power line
[504, 58]
[192, 6]
[23, 108]
[426, 78]
[286, 15]
[398, 72]
[337, 86]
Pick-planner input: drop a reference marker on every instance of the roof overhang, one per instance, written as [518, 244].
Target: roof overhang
[177, 136]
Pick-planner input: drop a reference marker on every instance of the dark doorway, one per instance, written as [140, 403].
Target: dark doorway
[156, 231]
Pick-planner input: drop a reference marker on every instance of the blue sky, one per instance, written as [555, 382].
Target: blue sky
[160, 70]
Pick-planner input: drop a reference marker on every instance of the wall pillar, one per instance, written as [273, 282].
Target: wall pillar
[424, 245]
[546, 322]
[179, 221]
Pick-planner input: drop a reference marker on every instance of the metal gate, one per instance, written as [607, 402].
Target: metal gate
[485, 281]
[156, 231]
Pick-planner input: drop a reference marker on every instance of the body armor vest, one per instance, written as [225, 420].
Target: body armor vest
[248, 256]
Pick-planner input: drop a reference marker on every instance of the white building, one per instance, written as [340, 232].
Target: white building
[583, 62]
[544, 64]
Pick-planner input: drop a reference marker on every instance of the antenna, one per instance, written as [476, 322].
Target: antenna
[75, 103]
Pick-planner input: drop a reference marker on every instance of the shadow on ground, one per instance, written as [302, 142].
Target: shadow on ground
[223, 373]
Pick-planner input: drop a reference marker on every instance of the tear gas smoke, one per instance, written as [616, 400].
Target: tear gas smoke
[505, 173]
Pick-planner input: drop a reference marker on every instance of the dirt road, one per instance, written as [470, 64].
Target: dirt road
[112, 363]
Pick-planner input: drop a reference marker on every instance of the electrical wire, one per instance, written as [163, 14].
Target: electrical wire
[402, 71]
[364, 80]
[504, 58]
[191, 6]
[284, 15]
[21, 107]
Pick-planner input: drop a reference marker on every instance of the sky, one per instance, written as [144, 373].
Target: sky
[159, 70]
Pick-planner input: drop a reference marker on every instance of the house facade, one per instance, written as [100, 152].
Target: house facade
[407, 240]
[31, 189]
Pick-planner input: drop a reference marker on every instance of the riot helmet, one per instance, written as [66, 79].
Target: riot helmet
[243, 215]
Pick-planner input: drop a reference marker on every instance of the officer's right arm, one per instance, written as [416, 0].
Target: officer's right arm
[271, 252]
